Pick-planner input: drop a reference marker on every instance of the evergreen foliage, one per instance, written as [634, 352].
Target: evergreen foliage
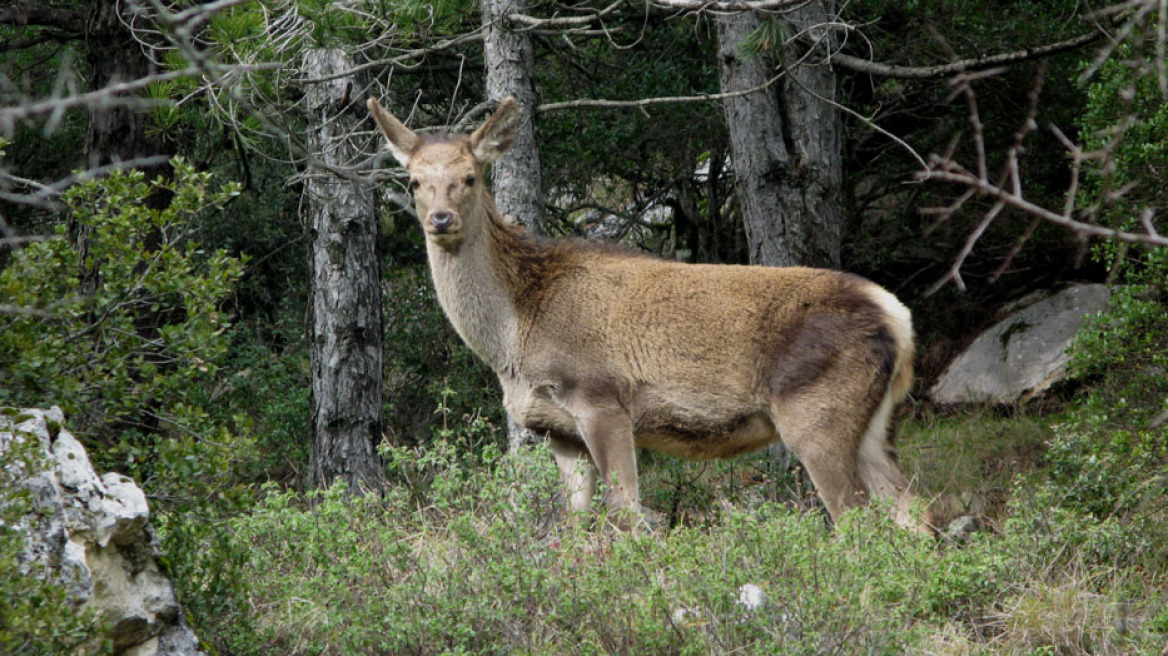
[134, 359]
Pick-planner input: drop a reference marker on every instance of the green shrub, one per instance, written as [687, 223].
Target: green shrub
[464, 556]
[1109, 456]
[126, 336]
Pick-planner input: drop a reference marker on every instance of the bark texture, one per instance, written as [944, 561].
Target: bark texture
[346, 302]
[785, 143]
[117, 133]
[518, 176]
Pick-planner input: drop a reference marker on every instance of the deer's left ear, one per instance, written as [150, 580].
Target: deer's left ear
[494, 137]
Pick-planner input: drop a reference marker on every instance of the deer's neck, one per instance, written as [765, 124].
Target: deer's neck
[475, 292]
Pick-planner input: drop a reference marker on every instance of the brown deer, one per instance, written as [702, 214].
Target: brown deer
[605, 350]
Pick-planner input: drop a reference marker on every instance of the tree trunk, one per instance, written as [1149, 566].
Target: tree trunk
[518, 176]
[786, 149]
[346, 300]
[785, 144]
[118, 133]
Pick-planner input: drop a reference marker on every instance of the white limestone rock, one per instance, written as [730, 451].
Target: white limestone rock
[1023, 355]
[94, 535]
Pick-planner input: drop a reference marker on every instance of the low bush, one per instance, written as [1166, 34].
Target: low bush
[465, 556]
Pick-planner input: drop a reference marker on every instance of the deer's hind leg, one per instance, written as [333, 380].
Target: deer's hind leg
[845, 448]
[826, 439]
[882, 475]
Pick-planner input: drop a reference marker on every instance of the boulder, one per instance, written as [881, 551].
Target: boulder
[93, 534]
[1022, 355]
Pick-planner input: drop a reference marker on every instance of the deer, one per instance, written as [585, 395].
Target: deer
[606, 350]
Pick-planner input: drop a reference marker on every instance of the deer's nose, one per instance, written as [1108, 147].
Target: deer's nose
[442, 220]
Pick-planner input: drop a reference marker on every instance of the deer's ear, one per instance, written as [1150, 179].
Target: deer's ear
[494, 137]
[401, 139]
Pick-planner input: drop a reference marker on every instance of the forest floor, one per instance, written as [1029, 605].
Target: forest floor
[466, 555]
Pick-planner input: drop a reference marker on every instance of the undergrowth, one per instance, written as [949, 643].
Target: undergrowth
[466, 556]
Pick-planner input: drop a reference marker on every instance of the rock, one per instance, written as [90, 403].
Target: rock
[1023, 355]
[94, 535]
[751, 597]
[962, 529]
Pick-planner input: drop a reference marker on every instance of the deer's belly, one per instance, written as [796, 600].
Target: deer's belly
[705, 438]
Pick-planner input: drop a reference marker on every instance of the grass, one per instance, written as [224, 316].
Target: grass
[968, 462]
[466, 556]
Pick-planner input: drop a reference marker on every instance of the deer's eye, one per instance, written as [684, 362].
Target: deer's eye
[470, 180]
[414, 184]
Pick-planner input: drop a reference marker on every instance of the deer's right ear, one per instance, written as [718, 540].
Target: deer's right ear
[401, 139]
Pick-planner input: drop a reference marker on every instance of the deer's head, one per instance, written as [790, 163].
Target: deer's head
[446, 173]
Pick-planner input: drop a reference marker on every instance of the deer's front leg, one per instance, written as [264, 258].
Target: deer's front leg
[577, 475]
[607, 430]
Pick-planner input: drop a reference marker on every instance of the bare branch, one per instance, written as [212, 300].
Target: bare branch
[871, 123]
[728, 5]
[879, 69]
[47, 193]
[1019, 244]
[564, 21]
[954, 272]
[1007, 191]
[403, 58]
[846, 61]
[199, 14]
[113, 94]
[1146, 221]
[648, 102]
[1143, 8]
[993, 191]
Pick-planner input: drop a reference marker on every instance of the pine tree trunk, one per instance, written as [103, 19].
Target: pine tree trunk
[785, 148]
[346, 301]
[119, 133]
[518, 176]
[785, 144]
